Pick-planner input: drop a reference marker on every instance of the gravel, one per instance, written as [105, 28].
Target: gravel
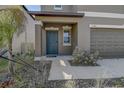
[86, 83]
[29, 78]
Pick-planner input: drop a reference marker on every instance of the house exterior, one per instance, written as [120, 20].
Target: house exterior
[61, 28]
[26, 40]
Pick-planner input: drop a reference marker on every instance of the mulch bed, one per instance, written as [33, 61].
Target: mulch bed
[79, 64]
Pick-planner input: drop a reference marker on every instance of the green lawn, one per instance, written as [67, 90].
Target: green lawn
[3, 65]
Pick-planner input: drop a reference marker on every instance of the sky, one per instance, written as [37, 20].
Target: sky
[33, 7]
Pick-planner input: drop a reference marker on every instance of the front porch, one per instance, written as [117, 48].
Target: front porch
[56, 36]
[56, 39]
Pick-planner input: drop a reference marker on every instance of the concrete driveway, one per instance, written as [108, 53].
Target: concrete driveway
[109, 68]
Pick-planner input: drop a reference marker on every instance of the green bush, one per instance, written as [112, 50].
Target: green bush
[86, 58]
[119, 82]
[30, 52]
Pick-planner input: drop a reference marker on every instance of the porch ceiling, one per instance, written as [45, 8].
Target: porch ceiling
[57, 19]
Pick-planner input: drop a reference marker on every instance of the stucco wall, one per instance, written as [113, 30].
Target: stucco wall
[65, 8]
[64, 50]
[89, 8]
[84, 29]
[5, 6]
[43, 42]
[58, 19]
[28, 35]
[74, 36]
[38, 39]
[101, 8]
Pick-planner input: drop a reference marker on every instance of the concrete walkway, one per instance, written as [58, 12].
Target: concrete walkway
[109, 68]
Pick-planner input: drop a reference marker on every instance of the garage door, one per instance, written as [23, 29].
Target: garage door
[109, 42]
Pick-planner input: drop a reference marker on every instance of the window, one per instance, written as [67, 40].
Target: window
[66, 36]
[58, 7]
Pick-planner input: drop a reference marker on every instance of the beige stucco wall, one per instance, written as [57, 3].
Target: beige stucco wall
[89, 8]
[101, 8]
[65, 8]
[74, 36]
[43, 42]
[84, 29]
[59, 19]
[5, 6]
[28, 35]
[63, 50]
[38, 39]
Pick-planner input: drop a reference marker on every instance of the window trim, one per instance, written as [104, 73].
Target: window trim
[67, 28]
[57, 8]
[52, 28]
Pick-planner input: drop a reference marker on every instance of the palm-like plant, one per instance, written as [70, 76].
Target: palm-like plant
[12, 21]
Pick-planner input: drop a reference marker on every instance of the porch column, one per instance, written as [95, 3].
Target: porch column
[38, 39]
[83, 34]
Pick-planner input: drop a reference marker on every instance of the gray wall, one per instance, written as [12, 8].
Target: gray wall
[84, 29]
[74, 36]
[102, 8]
[38, 39]
[65, 8]
[27, 36]
[90, 8]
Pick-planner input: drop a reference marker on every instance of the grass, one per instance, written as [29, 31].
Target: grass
[3, 65]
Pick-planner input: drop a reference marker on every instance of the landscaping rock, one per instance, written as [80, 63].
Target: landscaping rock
[30, 78]
[34, 78]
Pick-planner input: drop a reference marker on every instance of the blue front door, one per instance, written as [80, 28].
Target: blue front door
[52, 42]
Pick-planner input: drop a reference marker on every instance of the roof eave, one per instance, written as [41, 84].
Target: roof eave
[56, 14]
[27, 11]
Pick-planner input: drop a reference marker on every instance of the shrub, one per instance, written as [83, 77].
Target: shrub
[119, 82]
[30, 52]
[85, 58]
